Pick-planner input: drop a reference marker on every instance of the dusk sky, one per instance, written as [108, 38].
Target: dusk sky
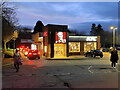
[77, 15]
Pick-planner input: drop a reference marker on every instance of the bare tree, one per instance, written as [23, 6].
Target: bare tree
[9, 21]
[8, 13]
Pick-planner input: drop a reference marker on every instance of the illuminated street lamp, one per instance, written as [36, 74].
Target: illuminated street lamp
[113, 28]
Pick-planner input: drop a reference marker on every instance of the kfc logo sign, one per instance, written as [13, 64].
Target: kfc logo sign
[91, 39]
[60, 37]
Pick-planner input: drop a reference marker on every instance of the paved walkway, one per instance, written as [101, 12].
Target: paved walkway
[7, 61]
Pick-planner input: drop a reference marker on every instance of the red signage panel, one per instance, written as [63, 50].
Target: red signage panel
[45, 33]
[60, 37]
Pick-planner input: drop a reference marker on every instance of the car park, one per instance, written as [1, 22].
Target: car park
[33, 54]
[94, 53]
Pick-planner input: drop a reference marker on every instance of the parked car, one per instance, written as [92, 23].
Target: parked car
[94, 53]
[34, 54]
[21, 48]
[25, 51]
[118, 48]
[106, 50]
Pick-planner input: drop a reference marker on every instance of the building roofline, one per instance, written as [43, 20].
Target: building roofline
[55, 25]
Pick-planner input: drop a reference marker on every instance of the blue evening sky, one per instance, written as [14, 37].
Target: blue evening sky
[77, 15]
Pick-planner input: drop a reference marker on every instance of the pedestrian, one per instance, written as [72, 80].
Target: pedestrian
[114, 57]
[17, 60]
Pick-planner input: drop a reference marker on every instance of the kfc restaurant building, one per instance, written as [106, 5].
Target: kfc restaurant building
[78, 45]
[55, 38]
[57, 43]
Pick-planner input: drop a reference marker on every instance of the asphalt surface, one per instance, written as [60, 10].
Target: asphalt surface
[81, 72]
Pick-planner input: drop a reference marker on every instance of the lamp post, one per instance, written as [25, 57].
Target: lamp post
[15, 35]
[113, 28]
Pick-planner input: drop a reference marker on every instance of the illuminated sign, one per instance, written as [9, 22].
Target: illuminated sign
[40, 39]
[27, 41]
[91, 39]
[45, 49]
[33, 47]
[60, 37]
[45, 33]
[83, 38]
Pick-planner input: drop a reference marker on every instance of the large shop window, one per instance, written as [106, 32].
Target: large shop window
[89, 46]
[74, 46]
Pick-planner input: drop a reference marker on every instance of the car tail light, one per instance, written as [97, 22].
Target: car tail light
[18, 49]
[30, 53]
[26, 53]
[38, 53]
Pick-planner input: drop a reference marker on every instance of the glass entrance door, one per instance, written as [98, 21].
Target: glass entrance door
[59, 50]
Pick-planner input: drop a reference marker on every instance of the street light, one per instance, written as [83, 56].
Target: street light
[15, 36]
[113, 28]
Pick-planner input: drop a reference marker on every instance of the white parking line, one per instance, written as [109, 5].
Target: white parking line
[90, 70]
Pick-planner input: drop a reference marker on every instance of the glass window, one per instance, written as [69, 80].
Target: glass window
[74, 46]
[89, 46]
